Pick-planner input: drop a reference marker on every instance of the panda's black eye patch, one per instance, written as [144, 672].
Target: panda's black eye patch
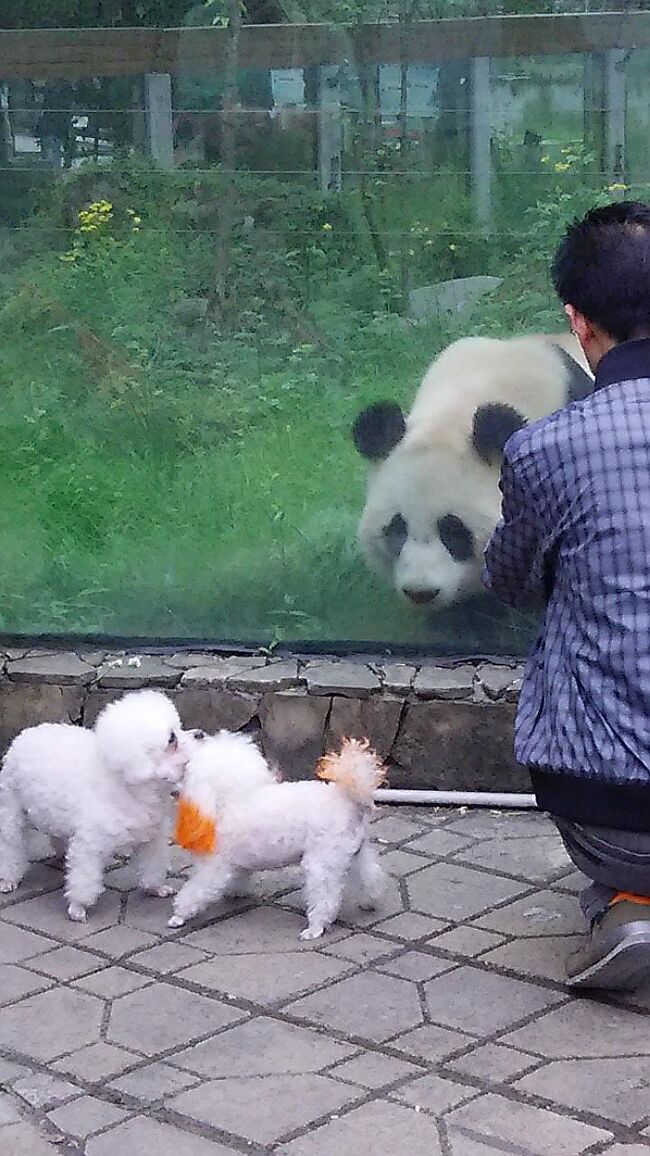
[395, 534]
[456, 537]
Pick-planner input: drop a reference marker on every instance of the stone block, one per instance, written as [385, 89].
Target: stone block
[136, 671]
[293, 726]
[219, 671]
[494, 679]
[352, 679]
[447, 300]
[453, 682]
[396, 677]
[215, 708]
[25, 705]
[374, 718]
[61, 669]
[86, 1115]
[274, 676]
[95, 702]
[457, 746]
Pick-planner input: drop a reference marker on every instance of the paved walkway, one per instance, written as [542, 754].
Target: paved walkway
[438, 1025]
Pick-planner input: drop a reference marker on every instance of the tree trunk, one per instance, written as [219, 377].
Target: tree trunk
[226, 215]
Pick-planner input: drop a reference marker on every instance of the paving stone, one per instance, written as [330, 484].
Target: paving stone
[166, 958]
[415, 965]
[263, 1047]
[434, 1094]
[86, 1115]
[283, 976]
[61, 669]
[140, 1136]
[390, 828]
[17, 945]
[156, 1082]
[508, 1122]
[411, 926]
[494, 1004]
[183, 660]
[361, 948]
[9, 1113]
[293, 728]
[274, 676]
[43, 1026]
[627, 1150]
[67, 963]
[451, 891]
[544, 956]
[374, 718]
[43, 1090]
[159, 1017]
[487, 824]
[112, 982]
[615, 1089]
[545, 913]
[219, 669]
[439, 843]
[264, 1108]
[97, 1062]
[131, 674]
[264, 930]
[16, 983]
[340, 678]
[9, 1072]
[466, 941]
[584, 1029]
[445, 682]
[46, 914]
[493, 1062]
[370, 1006]
[25, 1139]
[119, 941]
[401, 863]
[397, 677]
[147, 913]
[373, 1070]
[573, 881]
[539, 860]
[373, 1129]
[495, 680]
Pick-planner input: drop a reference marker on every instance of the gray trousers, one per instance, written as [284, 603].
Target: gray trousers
[613, 860]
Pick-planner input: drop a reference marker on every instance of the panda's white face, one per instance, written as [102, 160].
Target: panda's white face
[428, 516]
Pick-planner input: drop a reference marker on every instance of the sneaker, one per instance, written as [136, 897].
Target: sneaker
[617, 956]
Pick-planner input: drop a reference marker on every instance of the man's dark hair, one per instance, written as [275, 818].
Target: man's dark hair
[602, 268]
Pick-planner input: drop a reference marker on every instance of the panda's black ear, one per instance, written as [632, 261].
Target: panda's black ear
[492, 426]
[378, 429]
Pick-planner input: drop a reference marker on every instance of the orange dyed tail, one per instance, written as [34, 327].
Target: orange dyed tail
[194, 830]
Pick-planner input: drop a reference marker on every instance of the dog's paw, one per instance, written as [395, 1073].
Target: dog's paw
[164, 892]
[77, 912]
[175, 921]
[312, 933]
[6, 886]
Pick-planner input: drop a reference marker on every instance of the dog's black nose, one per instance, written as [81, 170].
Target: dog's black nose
[198, 735]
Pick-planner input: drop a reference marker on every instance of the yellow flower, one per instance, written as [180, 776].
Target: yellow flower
[545, 160]
[616, 187]
[453, 248]
[561, 166]
[137, 220]
[327, 228]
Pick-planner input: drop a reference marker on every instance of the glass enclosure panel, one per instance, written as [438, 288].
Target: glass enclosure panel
[220, 243]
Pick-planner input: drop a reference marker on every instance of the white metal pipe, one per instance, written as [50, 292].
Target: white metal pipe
[456, 798]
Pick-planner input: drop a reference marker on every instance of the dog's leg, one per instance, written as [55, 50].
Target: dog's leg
[152, 861]
[323, 893]
[367, 877]
[14, 860]
[84, 877]
[208, 884]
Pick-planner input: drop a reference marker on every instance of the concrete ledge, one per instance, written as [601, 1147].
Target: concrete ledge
[438, 726]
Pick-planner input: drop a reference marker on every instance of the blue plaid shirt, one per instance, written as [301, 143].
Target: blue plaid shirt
[574, 537]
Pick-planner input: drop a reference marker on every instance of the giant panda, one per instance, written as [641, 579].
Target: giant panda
[433, 496]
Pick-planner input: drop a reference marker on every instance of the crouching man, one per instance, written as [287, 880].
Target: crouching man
[574, 536]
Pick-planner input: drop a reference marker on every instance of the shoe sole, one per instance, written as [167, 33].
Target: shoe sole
[624, 968]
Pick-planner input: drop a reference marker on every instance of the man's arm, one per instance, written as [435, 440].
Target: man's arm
[518, 556]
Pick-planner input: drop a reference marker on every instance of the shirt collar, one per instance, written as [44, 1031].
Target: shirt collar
[628, 361]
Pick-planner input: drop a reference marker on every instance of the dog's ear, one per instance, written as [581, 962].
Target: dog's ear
[493, 424]
[378, 429]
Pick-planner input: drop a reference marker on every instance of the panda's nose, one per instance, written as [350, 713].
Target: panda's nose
[421, 597]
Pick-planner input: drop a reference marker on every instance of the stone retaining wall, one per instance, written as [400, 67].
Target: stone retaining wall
[446, 727]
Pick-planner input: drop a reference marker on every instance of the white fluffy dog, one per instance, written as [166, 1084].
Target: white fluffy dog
[232, 811]
[100, 791]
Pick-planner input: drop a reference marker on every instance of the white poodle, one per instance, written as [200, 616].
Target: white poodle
[232, 811]
[100, 791]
